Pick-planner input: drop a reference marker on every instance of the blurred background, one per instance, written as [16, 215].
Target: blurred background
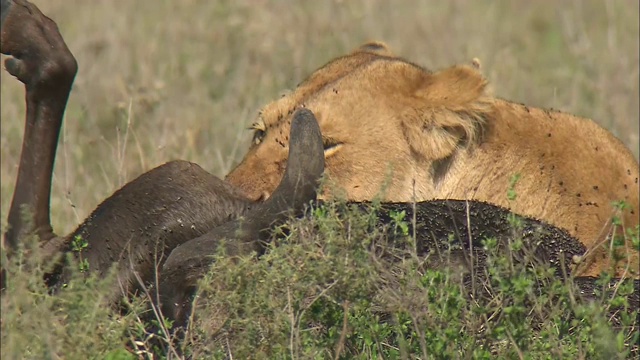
[162, 80]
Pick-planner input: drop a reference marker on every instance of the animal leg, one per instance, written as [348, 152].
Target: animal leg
[189, 261]
[141, 223]
[41, 60]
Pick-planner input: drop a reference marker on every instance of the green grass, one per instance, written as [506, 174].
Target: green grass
[331, 288]
[162, 80]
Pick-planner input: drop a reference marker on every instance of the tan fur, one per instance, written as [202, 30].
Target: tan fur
[391, 126]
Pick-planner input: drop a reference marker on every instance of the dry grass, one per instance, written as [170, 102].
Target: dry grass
[161, 80]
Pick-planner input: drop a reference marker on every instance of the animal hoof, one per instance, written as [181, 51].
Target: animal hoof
[303, 117]
[306, 153]
[41, 57]
[15, 67]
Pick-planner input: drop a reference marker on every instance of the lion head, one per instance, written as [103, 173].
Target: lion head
[378, 114]
[395, 131]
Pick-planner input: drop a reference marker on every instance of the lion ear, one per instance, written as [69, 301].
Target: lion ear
[454, 106]
[454, 87]
[375, 47]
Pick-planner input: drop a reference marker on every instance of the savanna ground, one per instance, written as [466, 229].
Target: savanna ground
[163, 80]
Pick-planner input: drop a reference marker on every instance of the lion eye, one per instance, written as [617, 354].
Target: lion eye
[258, 136]
[330, 145]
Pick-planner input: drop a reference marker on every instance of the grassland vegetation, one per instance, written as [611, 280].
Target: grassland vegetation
[331, 286]
[183, 79]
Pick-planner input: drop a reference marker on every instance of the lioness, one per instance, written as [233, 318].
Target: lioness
[391, 127]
